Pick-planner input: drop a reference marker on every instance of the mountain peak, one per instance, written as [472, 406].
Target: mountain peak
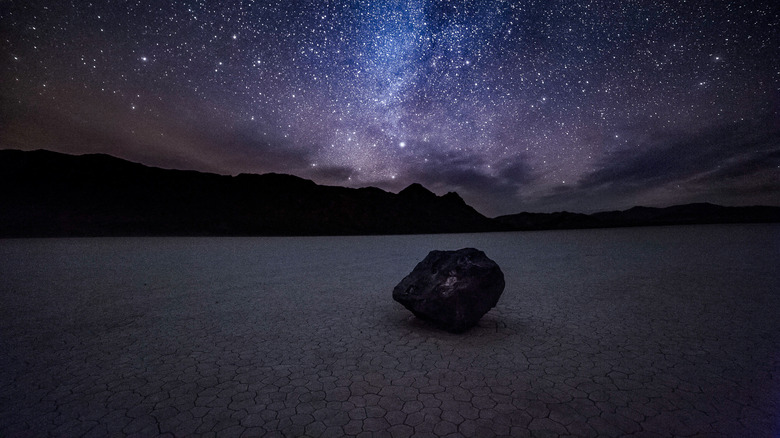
[416, 190]
[53, 194]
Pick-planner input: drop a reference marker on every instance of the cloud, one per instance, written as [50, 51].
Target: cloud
[331, 174]
[516, 170]
[189, 141]
[744, 166]
[674, 159]
[732, 164]
[487, 186]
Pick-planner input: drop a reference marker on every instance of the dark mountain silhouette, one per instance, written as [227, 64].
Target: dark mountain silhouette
[46, 193]
[546, 221]
[702, 213]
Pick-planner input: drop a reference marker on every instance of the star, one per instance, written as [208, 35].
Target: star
[545, 95]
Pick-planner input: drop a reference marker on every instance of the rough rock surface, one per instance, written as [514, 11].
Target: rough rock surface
[452, 289]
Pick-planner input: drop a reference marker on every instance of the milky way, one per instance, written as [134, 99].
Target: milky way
[524, 105]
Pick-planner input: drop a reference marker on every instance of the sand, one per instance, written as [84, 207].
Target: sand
[668, 331]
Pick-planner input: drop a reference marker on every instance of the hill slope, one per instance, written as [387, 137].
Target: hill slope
[702, 213]
[46, 193]
[51, 194]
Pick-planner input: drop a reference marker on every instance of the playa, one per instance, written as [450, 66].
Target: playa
[646, 332]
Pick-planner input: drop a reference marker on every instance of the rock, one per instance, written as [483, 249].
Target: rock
[452, 289]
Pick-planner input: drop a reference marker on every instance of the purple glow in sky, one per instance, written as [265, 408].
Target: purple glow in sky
[517, 106]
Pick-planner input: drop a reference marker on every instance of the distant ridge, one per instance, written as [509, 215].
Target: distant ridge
[701, 213]
[45, 193]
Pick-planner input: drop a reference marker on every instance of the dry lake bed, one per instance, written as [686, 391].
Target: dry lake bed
[645, 332]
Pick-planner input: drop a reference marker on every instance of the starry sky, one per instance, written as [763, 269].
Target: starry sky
[516, 105]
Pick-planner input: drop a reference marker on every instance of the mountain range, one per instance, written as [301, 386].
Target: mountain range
[45, 193]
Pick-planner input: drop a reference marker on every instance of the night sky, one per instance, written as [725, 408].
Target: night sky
[516, 105]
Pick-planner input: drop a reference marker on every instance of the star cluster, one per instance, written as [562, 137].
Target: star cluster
[532, 105]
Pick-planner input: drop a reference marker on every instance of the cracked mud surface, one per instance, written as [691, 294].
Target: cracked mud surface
[647, 332]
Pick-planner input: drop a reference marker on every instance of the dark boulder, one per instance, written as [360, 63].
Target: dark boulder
[452, 289]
